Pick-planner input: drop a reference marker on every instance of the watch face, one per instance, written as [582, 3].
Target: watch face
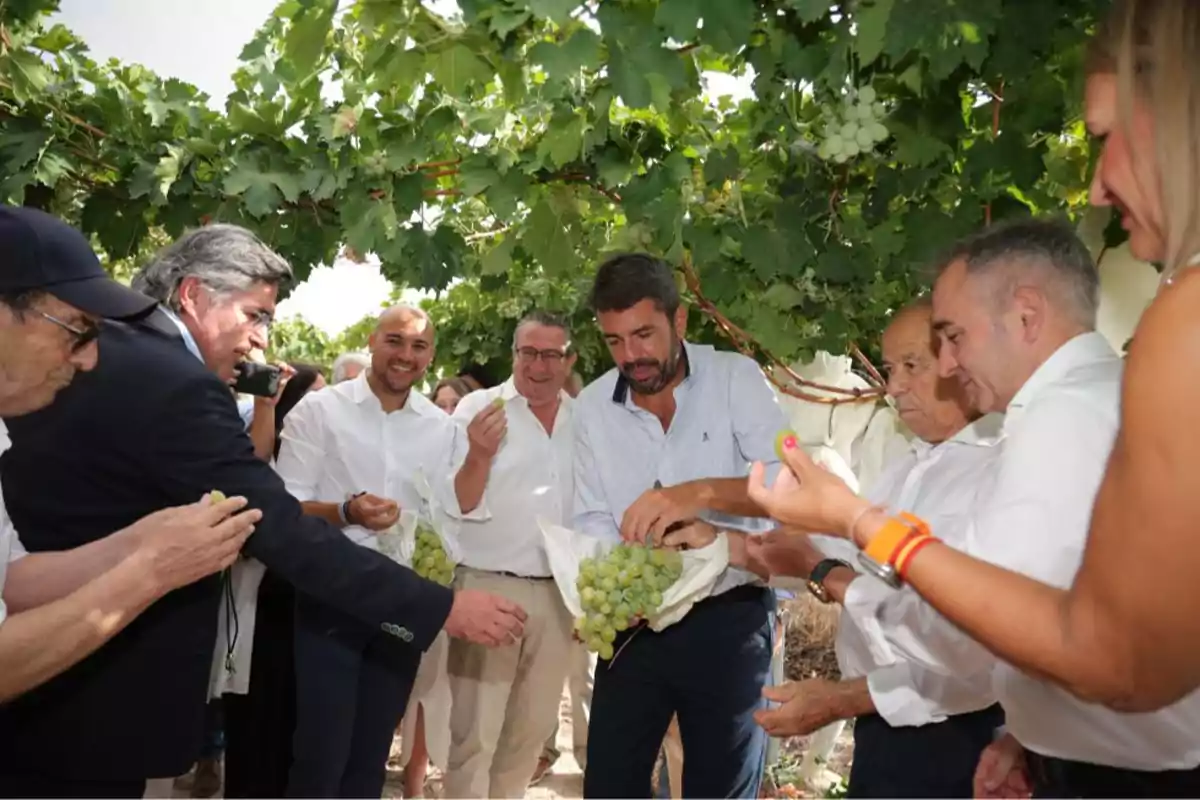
[884, 572]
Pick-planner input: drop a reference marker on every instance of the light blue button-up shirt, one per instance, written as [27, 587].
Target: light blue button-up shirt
[726, 418]
[245, 405]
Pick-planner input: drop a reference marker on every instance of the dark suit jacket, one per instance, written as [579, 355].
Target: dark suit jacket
[151, 427]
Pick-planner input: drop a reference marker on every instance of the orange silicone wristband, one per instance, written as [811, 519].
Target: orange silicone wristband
[888, 540]
[906, 559]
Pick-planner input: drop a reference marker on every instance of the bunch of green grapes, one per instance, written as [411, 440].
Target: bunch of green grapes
[621, 589]
[429, 557]
[857, 127]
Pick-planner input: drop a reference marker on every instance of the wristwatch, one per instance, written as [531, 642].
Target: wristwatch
[816, 580]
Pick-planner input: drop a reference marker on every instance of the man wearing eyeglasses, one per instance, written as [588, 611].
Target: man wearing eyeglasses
[519, 469]
[57, 608]
[155, 424]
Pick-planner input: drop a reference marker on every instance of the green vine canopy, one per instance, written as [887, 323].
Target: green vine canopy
[494, 156]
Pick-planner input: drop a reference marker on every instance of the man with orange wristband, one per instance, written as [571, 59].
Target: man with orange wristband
[1015, 309]
[918, 732]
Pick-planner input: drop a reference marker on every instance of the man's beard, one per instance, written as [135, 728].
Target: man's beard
[666, 371]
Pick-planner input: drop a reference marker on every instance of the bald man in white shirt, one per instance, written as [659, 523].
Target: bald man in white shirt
[506, 700]
[355, 454]
[918, 731]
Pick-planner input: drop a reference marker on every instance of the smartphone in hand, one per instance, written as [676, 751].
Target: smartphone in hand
[260, 380]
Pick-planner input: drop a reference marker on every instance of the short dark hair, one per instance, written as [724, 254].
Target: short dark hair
[21, 300]
[1048, 245]
[547, 318]
[627, 279]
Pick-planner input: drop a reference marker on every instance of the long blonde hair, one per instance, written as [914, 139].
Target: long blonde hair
[1153, 47]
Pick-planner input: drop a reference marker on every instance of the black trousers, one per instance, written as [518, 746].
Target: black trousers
[259, 725]
[41, 785]
[1058, 777]
[709, 669]
[352, 684]
[936, 760]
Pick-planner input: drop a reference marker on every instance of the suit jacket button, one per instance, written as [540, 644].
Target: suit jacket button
[405, 634]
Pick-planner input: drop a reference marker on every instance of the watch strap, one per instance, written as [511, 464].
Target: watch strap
[821, 571]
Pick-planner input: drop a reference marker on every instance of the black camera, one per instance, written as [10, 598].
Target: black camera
[260, 380]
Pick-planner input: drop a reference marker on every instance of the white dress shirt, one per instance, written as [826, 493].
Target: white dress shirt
[531, 477]
[726, 418]
[10, 543]
[339, 441]
[1058, 433]
[941, 484]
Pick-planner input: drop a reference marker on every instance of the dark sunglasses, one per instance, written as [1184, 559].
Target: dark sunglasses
[83, 336]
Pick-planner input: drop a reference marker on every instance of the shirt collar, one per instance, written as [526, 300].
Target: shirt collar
[359, 392]
[1086, 348]
[620, 394]
[188, 339]
[983, 432]
[5, 442]
[508, 393]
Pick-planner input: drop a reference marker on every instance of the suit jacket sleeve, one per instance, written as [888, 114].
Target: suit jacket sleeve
[203, 442]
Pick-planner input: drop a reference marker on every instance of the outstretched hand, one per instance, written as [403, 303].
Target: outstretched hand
[805, 495]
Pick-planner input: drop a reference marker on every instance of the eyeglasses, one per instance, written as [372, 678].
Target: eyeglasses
[529, 355]
[83, 336]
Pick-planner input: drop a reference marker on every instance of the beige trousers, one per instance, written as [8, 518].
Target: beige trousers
[580, 676]
[506, 699]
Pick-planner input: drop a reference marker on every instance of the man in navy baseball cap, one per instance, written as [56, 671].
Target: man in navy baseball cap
[53, 291]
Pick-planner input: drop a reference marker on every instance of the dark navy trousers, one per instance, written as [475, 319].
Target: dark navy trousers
[709, 669]
[352, 685]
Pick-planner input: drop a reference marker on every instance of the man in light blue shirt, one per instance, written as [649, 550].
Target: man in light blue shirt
[667, 436]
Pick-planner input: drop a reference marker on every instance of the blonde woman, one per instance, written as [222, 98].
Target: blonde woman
[1127, 632]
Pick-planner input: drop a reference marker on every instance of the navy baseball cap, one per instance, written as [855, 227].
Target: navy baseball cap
[41, 252]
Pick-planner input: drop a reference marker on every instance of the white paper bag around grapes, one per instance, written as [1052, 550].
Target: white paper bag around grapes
[565, 549]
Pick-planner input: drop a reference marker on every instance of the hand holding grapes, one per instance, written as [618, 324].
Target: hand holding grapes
[656, 510]
[804, 495]
[487, 430]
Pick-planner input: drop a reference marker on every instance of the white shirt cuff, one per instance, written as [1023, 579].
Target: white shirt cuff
[897, 700]
[16, 550]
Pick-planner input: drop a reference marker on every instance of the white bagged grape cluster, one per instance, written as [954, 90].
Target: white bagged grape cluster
[855, 128]
[620, 589]
[429, 557]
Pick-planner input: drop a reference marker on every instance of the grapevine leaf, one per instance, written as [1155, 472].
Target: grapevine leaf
[546, 238]
[557, 11]
[475, 175]
[872, 27]
[458, 67]
[306, 36]
[721, 166]
[505, 20]
[498, 260]
[810, 11]
[783, 296]
[262, 189]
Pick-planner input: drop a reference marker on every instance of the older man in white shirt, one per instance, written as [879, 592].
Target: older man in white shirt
[506, 700]
[1015, 307]
[918, 731]
[354, 455]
